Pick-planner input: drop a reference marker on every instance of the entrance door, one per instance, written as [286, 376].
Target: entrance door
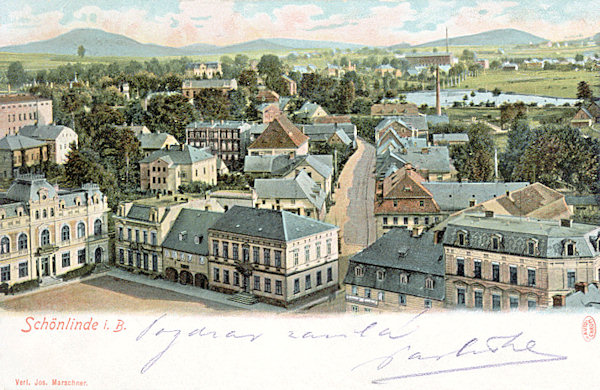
[98, 257]
[53, 265]
[246, 283]
[45, 269]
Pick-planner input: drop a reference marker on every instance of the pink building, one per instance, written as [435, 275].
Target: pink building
[18, 110]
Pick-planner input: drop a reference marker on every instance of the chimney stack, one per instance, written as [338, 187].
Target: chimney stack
[581, 286]
[565, 222]
[438, 103]
[447, 47]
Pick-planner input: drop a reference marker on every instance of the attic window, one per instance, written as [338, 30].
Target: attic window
[359, 271]
[197, 239]
[496, 241]
[461, 238]
[404, 278]
[182, 235]
[380, 275]
[429, 283]
[532, 247]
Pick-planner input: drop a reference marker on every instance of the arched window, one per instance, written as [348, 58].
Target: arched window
[404, 278]
[37, 214]
[5, 245]
[359, 271]
[80, 230]
[44, 213]
[429, 283]
[65, 233]
[22, 241]
[98, 227]
[45, 237]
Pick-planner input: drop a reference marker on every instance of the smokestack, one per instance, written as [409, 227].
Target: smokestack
[496, 163]
[447, 47]
[438, 103]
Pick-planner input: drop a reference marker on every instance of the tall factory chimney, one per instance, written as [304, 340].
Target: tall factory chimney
[438, 103]
[447, 46]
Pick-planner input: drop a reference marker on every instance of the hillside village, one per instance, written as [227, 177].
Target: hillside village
[305, 181]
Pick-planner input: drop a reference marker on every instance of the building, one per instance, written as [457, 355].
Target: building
[394, 109]
[268, 165]
[341, 134]
[430, 59]
[382, 70]
[267, 96]
[510, 67]
[318, 167]
[585, 297]
[18, 110]
[586, 116]
[58, 138]
[276, 256]
[291, 85]
[269, 111]
[229, 198]
[166, 169]
[152, 142]
[485, 63]
[400, 271]
[47, 232]
[507, 262]
[206, 70]
[185, 248]
[223, 138]
[333, 119]
[450, 139]
[300, 195]
[190, 88]
[280, 137]
[310, 112]
[404, 125]
[21, 154]
[432, 163]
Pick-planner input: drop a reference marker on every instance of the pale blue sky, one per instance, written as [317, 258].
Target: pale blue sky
[369, 22]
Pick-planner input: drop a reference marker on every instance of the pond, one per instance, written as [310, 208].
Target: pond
[449, 96]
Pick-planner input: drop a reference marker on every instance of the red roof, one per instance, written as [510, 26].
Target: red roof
[403, 193]
[279, 134]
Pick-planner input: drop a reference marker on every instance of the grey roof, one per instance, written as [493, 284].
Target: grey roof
[583, 200]
[300, 187]
[152, 140]
[26, 188]
[283, 101]
[308, 109]
[398, 142]
[139, 212]
[323, 164]
[191, 223]
[45, 132]
[418, 122]
[210, 83]
[451, 137]
[266, 164]
[326, 130]
[18, 142]
[516, 231]
[188, 155]
[437, 119]
[270, 224]
[582, 300]
[398, 252]
[218, 124]
[435, 160]
[453, 196]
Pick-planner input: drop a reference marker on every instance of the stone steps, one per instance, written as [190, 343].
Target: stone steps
[244, 298]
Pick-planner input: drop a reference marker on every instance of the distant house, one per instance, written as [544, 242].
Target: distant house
[332, 133]
[300, 195]
[19, 154]
[267, 96]
[333, 119]
[433, 163]
[387, 109]
[166, 169]
[317, 167]
[151, 142]
[583, 204]
[58, 138]
[587, 116]
[291, 85]
[190, 88]
[533, 64]
[310, 111]
[223, 138]
[428, 59]
[450, 139]
[382, 70]
[269, 111]
[404, 126]
[280, 137]
[20, 110]
[206, 70]
[401, 271]
[333, 71]
[266, 164]
[510, 67]
[485, 64]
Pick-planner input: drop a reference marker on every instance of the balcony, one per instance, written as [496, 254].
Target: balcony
[361, 300]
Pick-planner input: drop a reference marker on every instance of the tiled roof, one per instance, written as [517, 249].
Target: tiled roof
[583, 200]
[323, 164]
[452, 137]
[188, 155]
[453, 196]
[154, 140]
[44, 132]
[266, 164]
[403, 192]
[191, 223]
[19, 142]
[394, 108]
[328, 129]
[211, 83]
[398, 252]
[20, 98]
[270, 224]
[300, 187]
[280, 134]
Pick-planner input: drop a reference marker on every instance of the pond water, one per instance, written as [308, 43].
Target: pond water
[449, 96]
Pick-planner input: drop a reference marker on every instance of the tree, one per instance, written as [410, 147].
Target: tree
[269, 67]
[170, 114]
[474, 161]
[584, 92]
[512, 111]
[344, 96]
[519, 137]
[16, 74]
[81, 51]
[212, 104]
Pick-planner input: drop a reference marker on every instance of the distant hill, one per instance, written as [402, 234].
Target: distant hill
[402, 45]
[96, 43]
[309, 44]
[502, 37]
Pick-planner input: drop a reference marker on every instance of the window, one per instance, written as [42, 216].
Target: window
[44, 213]
[23, 269]
[216, 275]
[380, 296]
[307, 284]
[328, 246]
[416, 220]
[495, 243]
[367, 293]
[531, 248]
[154, 262]
[296, 255]
[296, 286]
[120, 232]
[530, 277]
[380, 275]
[496, 306]
[66, 259]
[65, 233]
[306, 253]
[402, 299]
[329, 274]
[385, 220]
[460, 297]
[267, 285]
[137, 235]
[405, 220]
[138, 259]
[571, 279]
[98, 228]
[22, 241]
[477, 269]
[429, 283]
[427, 303]
[45, 237]
[426, 220]
[461, 238]
[5, 245]
[460, 266]
[129, 234]
[513, 274]
[145, 234]
[121, 256]
[81, 256]
[404, 278]
[245, 253]
[130, 258]
[570, 249]
[495, 272]
[278, 287]
[354, 309]
[354, 290]
[319, 278]
[226, 276]
[256, 254]
[318, 249]
[278, 259]
[478, 299]
[267, 257]
[5, 273]
[215, 248]
[531, 304]
[153, 239]
[236, 279]
[514, 302]
[359, 271]
[235, 248]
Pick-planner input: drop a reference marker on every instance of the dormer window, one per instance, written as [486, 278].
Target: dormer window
[461, 238]
[380, 275]
[429, 283]
[197, 239]
[404, 278]
[182, 235]
[532, 247]
[570, 249]
[359, 271]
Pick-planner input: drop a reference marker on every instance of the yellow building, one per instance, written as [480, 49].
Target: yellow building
[46, 232]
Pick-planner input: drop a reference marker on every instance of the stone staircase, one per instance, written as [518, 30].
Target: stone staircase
[49, 281]
[244, 298]
[101, 268]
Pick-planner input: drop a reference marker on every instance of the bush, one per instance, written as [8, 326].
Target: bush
[24, 286]
[79, 272]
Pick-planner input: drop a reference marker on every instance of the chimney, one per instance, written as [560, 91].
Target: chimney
[416, 231]
[558, 300]
[581, 286]
[438, 103]
[564, 222]
[489, 214]
[447, 46]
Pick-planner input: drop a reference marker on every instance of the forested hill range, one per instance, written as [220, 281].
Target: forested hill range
[101, 43]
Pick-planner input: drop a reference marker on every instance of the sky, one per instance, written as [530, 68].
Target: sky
[367, 22]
